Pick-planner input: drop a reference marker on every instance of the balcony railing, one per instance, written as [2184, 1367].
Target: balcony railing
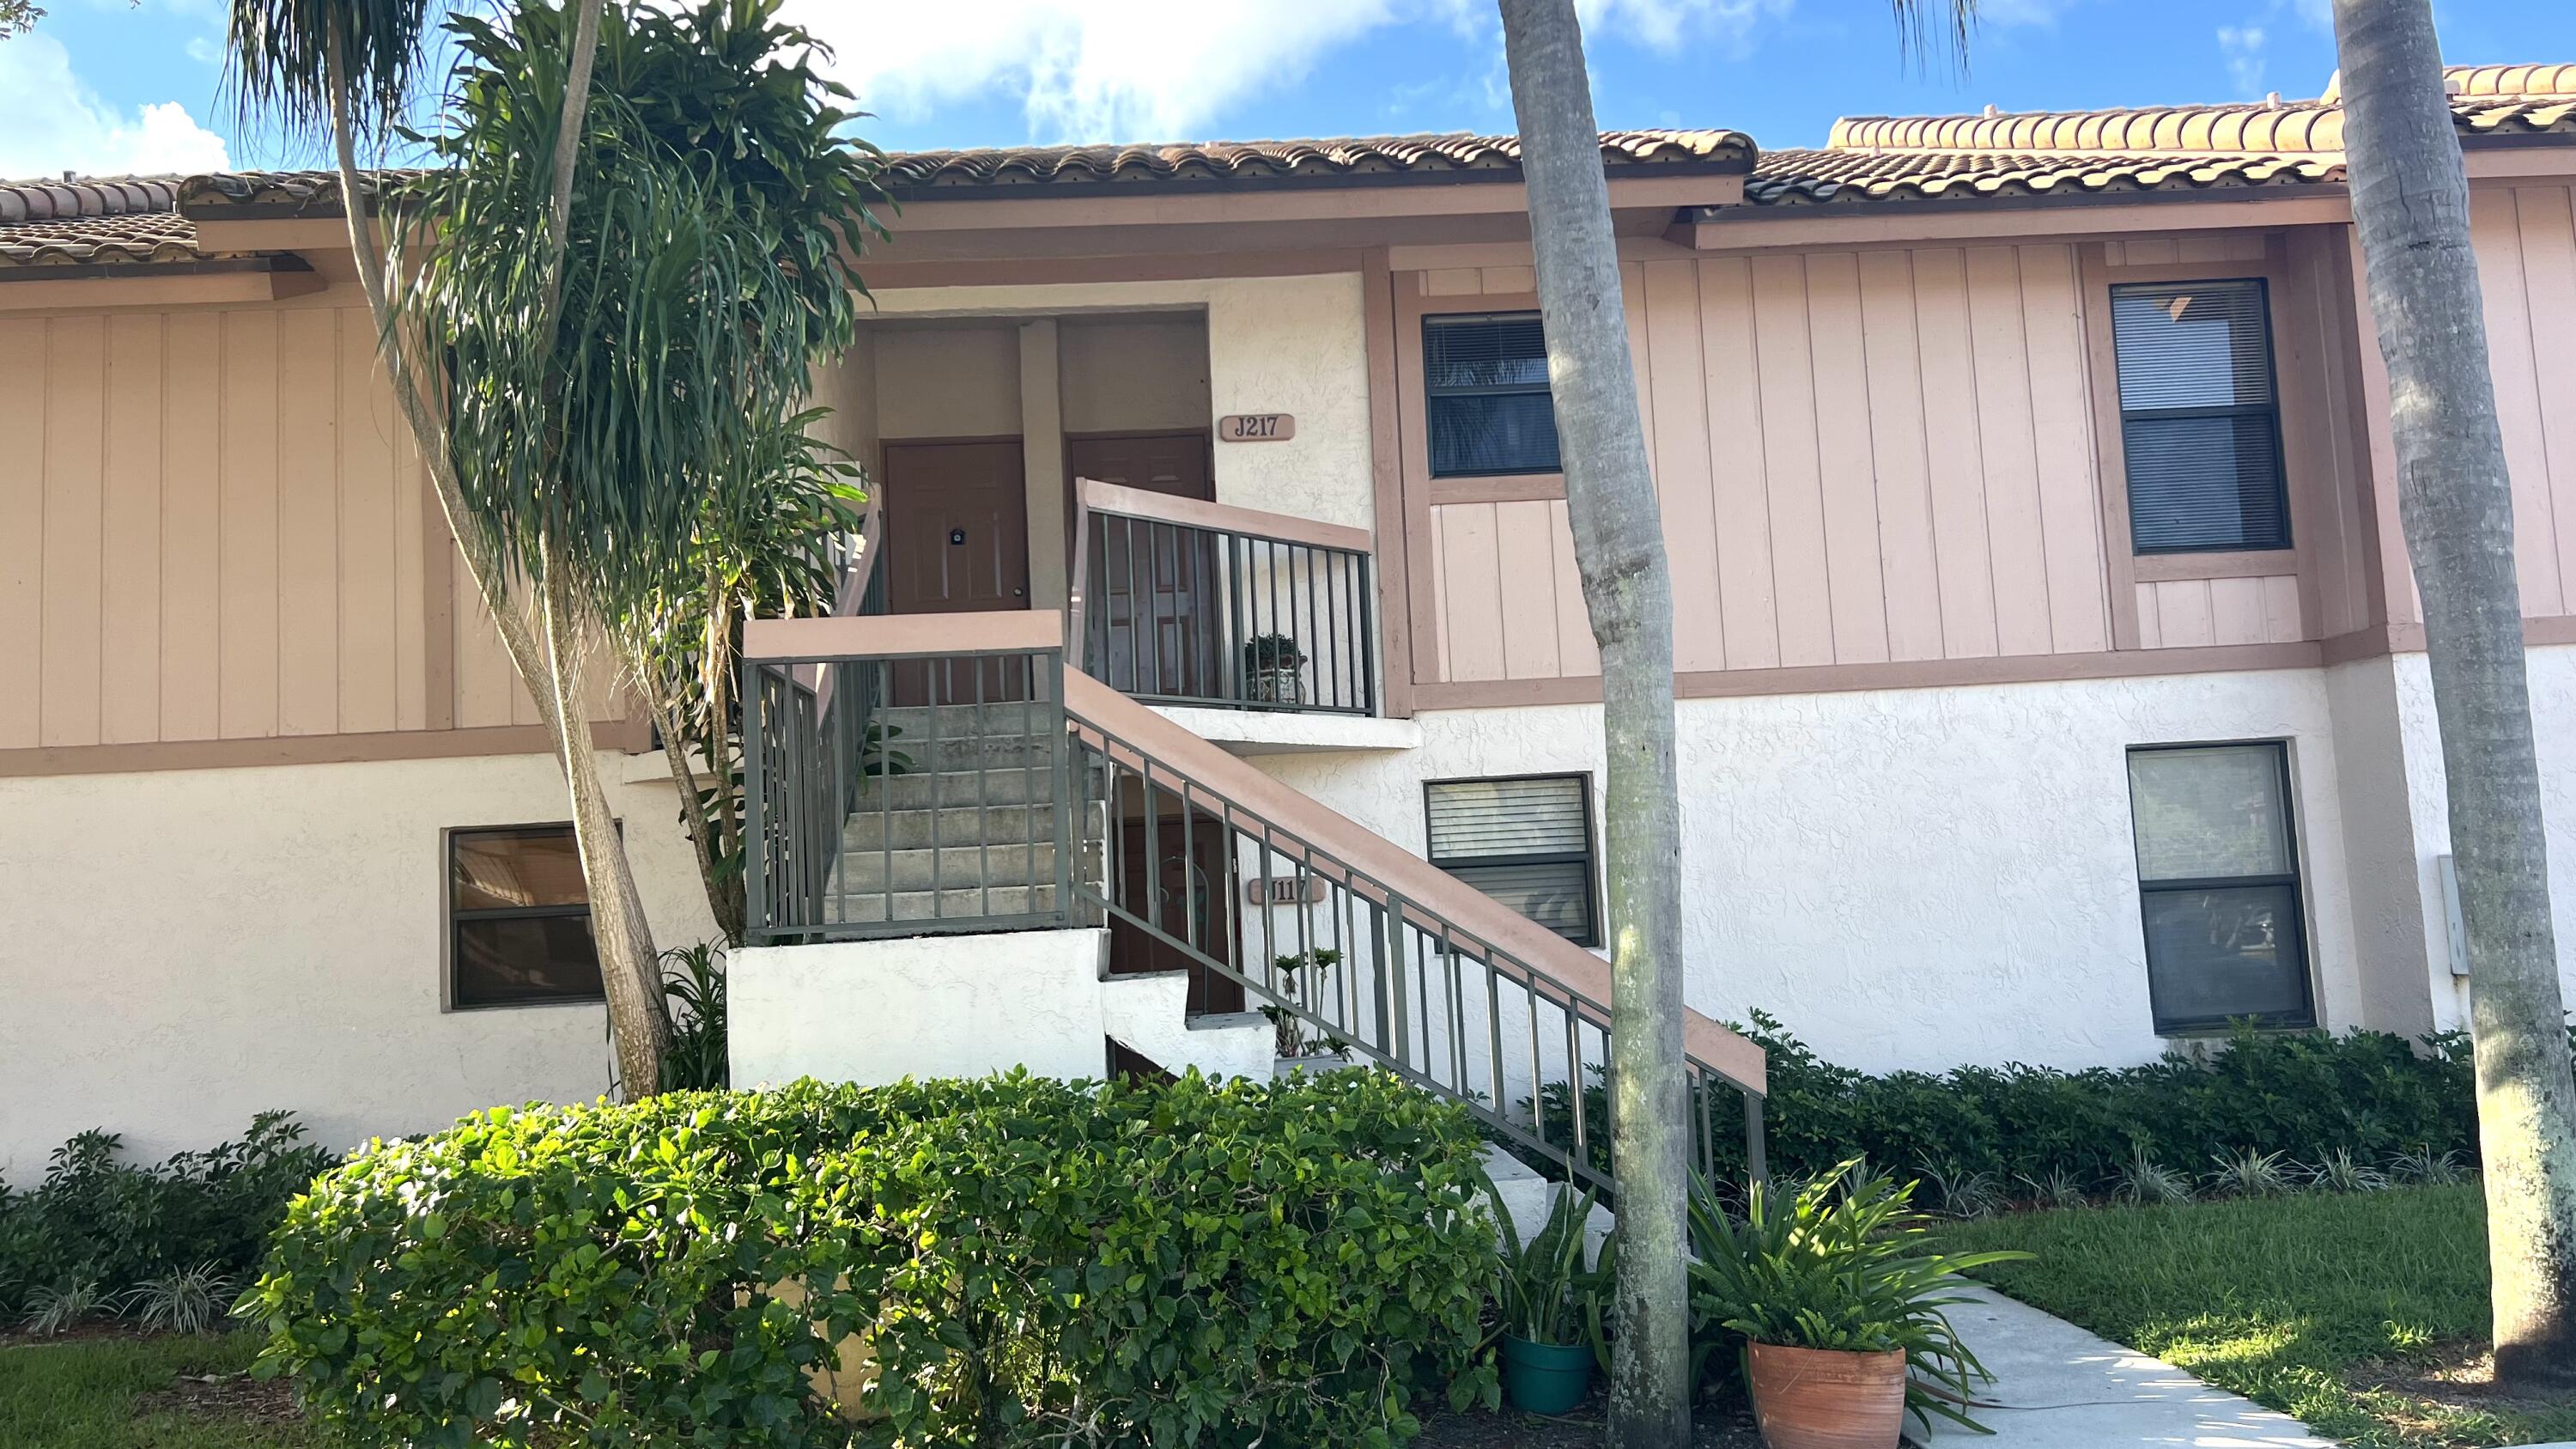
[1184, 602]
[903, 775]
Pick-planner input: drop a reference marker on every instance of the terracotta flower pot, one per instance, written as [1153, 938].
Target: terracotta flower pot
[1814, 1398]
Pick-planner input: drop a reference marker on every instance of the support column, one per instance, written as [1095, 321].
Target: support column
[1042, 446]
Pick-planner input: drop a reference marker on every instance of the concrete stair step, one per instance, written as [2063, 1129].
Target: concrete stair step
[964, 825]
[922, 788]
[946, 904]
[952, 721]
[876, 871]
[968, 753]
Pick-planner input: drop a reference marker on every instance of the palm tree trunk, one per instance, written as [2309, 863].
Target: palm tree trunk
[2410, 204]
[629, 968]
[1628, 591]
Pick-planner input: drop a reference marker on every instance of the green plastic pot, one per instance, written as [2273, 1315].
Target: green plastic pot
[1545, 1378]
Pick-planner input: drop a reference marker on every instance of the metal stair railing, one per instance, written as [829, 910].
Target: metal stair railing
[1358, 942]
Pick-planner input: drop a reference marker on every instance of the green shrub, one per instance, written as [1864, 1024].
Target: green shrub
[2304, 1095]
[103, 1225]
[1033, 1261]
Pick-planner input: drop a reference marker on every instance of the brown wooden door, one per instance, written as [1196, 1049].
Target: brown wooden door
[957, 541]
[1180, 881]
[1157, 598]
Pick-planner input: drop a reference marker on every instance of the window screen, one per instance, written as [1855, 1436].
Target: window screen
[1525, 842]
[2218, 878]
[518, 918]
[2198, 421]
[1485, 392]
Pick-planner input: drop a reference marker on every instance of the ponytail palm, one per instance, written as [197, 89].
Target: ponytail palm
[590, 341]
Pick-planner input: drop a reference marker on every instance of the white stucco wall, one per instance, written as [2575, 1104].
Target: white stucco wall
[1275, 344]
[1915, 878]
[187, 947]
[2553, 718]
[962, 1006]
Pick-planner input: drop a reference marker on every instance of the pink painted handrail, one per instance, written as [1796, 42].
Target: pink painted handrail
[1470, 911]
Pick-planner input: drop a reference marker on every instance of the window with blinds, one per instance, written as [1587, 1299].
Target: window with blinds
[2199, 422]
[1484, 379]
[2218, 883]
[1526, 842]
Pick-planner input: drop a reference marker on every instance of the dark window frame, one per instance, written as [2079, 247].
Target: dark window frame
[2304, 1019]
[2269, 409]
[1432, 395]
[1590, 858]
[451, 917]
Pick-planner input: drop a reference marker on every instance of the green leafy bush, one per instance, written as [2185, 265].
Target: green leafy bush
[1183, 1263]
[2301, 1094]
[96, 1226]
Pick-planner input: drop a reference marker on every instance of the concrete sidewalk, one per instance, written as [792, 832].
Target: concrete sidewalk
[2070, 1390]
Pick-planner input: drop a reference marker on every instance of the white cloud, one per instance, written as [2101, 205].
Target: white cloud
[51, 123]
[1092, 70]
[2242, 45]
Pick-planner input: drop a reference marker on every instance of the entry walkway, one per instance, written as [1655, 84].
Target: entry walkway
[2070, 1390]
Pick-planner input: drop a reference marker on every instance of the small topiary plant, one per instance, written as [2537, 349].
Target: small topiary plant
[1026, 1259]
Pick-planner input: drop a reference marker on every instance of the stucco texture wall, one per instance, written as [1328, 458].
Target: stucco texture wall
[2553, 720]
[1275, 344]
[1917, 878]
[189, 947]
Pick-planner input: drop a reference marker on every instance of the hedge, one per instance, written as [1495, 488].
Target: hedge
[2302, 1094]
[1033, 1261]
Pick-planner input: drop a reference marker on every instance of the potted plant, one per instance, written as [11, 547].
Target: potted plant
[1839, 1304]
[1541, 1295]
[1300, 976]
[1270, 669]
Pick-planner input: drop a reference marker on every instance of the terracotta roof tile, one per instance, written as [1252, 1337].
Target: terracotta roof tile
[2151, 148]
[1325, 161]
[1796, 177]
[91, 220]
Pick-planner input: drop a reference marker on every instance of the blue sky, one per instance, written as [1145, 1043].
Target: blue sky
[105, 86]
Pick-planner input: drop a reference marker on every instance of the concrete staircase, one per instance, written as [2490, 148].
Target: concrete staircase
[966, 830]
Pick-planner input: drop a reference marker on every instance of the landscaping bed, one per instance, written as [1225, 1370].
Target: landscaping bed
[2364, 1313]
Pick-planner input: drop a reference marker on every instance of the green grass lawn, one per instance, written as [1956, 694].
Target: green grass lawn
[2354, 1312]
[82, 1394]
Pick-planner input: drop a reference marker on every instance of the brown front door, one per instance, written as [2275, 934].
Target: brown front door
[1156, 612]
[957, 539]
[1179, 880]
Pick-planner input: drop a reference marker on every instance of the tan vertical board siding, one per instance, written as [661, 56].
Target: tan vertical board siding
[2322, 433]
[1682, 481]
[372, 501]
[247, 665]
[487, 687]
[22, 529]
[1846, 469]
[1472, 597]
[1741, 505]
[192, 555]
[1800, 570]
[2514, 344]
[130, 629]
[2062, 440]
[2548, 222]
[74, 470]
[2015, 529]
[2192, 613]
[1907, 541]
[1525, 573]
[1578, 655]
[1962, 538]
[308, 524]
